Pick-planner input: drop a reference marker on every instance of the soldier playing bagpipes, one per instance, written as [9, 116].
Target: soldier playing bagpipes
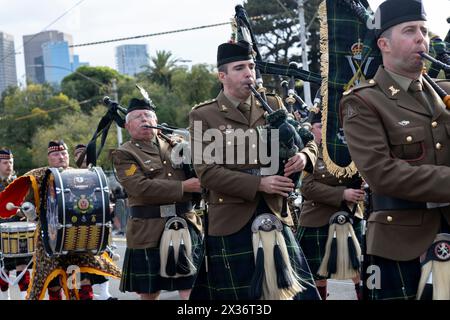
[251, 252]
[164, 242]
[396, 128]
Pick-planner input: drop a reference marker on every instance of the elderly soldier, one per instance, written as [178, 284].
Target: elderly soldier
[397, 129]
[20, 264]
[163, 232]
[323, 196]
[47, 270]
[240, 199]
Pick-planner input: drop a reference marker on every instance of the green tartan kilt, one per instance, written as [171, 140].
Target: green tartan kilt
[399, 280]
[11, 263]
[313, 242]
[231, 265]
[140, 272]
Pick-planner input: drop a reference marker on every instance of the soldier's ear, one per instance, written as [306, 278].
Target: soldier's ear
[384, 44]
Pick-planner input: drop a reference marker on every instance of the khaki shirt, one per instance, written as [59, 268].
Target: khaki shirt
[147, 175]
[233, 194]
[402, 151]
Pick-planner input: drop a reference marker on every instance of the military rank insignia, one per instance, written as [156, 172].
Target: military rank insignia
[130, 171]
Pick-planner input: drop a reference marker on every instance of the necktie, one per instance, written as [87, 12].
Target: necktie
[245, 109]
[416, 89]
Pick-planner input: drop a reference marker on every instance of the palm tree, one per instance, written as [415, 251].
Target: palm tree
[162, 67]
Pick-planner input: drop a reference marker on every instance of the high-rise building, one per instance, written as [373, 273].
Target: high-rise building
[131, 58]
[8, 72]
[58, 63]
[33, 51]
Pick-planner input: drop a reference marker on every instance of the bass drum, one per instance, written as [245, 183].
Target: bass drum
[75, 215]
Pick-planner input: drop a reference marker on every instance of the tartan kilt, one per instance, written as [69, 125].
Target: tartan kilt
[313, 242]
[399, 280]
[141, 269]
[11, 263]
[231, 263]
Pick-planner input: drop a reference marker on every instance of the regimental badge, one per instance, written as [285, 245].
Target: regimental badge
[83, 204]
[393, 90]
[442, 251]
[404, 123]
[356, 61]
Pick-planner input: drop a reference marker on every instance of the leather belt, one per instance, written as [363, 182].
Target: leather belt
[385, 203]
[153, 212]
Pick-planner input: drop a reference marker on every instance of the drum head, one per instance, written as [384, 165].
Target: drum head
[76, 202]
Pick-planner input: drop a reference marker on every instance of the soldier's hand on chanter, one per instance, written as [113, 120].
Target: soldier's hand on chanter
[295, 164]
[192, 185]
[276, 185]
[353, 195]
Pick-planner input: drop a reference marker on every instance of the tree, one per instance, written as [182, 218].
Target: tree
[73, 128]
[89, 85]
[161, 68]
[27, 110]
[276, 28]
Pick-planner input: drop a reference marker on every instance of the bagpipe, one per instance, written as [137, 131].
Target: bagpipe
[291, 138]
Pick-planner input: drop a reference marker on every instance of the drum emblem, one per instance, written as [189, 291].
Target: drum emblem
[442, 251]
[83, 204]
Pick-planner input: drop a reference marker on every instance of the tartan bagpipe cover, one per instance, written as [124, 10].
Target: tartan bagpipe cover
[349, 54]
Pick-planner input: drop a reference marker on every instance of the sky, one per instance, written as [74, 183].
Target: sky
[97, 20]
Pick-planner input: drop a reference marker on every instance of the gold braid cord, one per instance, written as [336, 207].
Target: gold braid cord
[332, 167]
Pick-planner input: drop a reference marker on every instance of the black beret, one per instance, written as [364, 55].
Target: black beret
[316, 117]
[5, 154]
[230, 52]
[139, 104]
[393, 12]
[56, 145]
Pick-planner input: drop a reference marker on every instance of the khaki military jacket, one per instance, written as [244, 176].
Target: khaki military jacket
[402, 151]
[322, 196]
[232, 193]
[146, 173]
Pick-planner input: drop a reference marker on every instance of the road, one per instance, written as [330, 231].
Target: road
[338, 290]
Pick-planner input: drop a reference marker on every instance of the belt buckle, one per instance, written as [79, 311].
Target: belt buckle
[168, 210]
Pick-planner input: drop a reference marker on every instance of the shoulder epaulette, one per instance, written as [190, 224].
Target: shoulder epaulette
[204, 103]
[362, 85]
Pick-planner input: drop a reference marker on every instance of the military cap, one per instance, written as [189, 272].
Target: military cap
[139, 104]
[316, 117]
[393, 12]
[230, 52]
[56, 145]
[5, 154]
